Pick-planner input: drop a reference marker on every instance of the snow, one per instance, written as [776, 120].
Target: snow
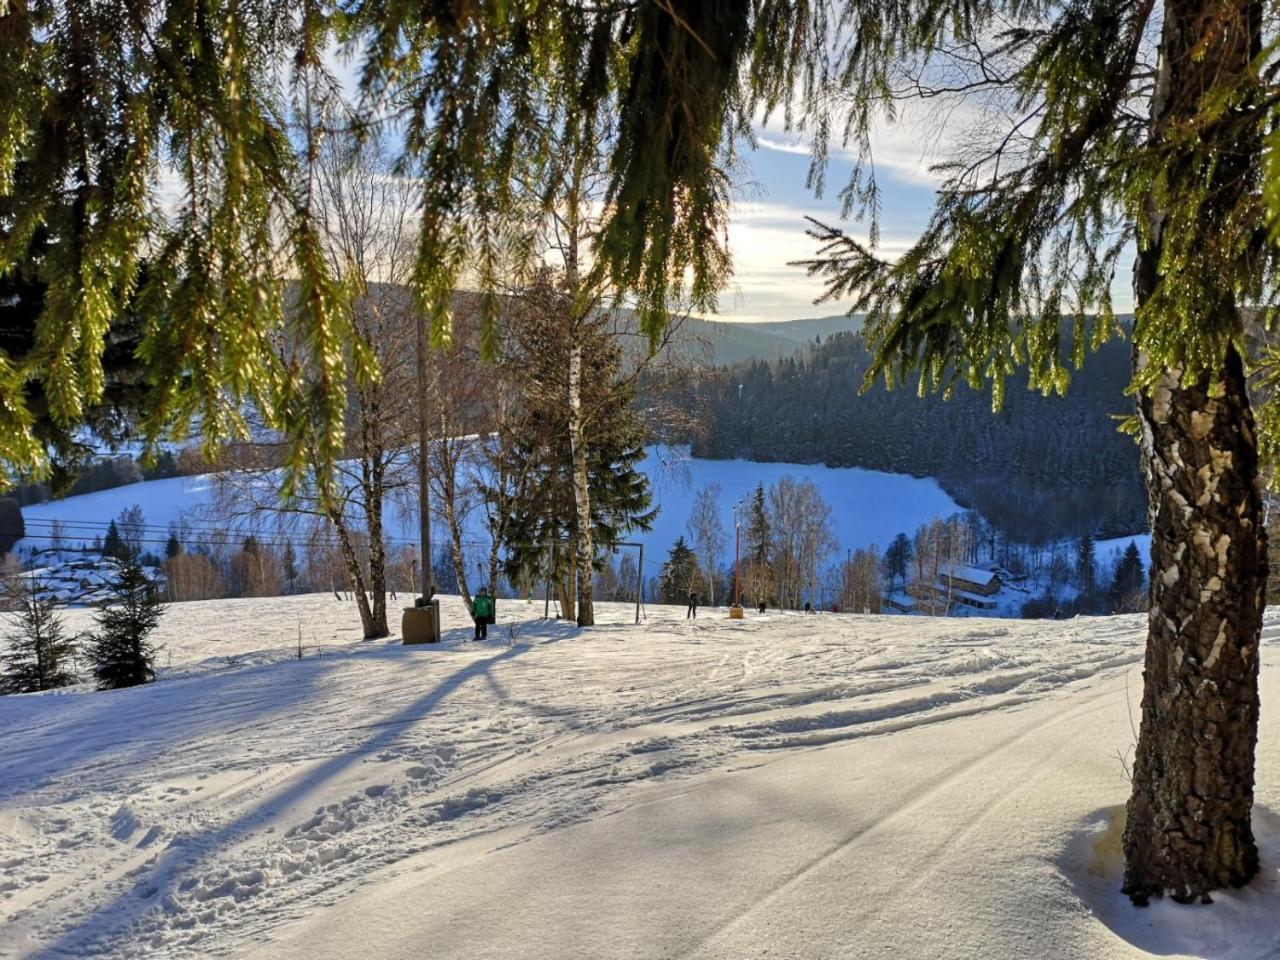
[867, 507]
[87, 515]
[960, 571]
[782, 786]
[1109, 552]
[858, 500]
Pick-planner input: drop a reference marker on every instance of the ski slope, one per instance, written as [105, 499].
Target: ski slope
[826, 786]
[867, 507]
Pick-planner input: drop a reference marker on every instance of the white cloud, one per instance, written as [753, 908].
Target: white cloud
[768, 142]
[765, 239]
[921, 135]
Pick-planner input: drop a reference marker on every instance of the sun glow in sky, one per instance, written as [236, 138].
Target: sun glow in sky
[767, 229]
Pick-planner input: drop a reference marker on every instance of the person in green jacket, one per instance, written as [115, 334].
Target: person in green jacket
[482, 612]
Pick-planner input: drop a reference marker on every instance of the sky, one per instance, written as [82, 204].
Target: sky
[767, 228]
[767, 224]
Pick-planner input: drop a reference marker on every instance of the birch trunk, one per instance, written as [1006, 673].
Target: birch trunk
[358, 586]
[564, 585]
[581, 490]
[374, 487]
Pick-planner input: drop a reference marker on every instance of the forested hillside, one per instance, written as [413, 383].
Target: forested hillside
[1043, 468]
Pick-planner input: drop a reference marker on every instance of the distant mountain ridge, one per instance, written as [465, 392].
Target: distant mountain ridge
[724, 343]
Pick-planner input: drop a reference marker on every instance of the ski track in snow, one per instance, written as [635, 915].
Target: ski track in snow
[247, 788]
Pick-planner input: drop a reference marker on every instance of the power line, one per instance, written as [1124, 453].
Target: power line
[230, 537]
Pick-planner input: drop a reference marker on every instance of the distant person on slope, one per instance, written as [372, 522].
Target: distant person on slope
[482, 613]
[693, 606]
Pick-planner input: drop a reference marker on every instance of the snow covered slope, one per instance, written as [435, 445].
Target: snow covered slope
[867, 506]
[784, 786]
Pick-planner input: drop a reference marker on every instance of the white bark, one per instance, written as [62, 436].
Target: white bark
[581, 488]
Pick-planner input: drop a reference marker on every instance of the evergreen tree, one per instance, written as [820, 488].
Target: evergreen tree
[541, 513]
[113, 544]
[1129, 577]
[1155, 130]
[679, 574]
[121, 650]
[759, 539]
[897, 559]
[1086, 564]
[289, 564]
[40, 652]
[172, 547]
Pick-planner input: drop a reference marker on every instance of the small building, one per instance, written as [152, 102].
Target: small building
[971, 580]
[901, 602]
[975, 600]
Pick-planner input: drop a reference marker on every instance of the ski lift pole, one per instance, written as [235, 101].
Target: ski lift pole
[421, 622]
[640, 584]
[735, 612]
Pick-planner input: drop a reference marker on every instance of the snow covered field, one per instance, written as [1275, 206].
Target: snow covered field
[857, 498]
[784, 786]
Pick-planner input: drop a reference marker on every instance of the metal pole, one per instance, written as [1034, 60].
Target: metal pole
[640, 584]
[737, 552]
[424, 437]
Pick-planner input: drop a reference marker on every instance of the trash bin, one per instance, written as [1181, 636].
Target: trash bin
[421, 623]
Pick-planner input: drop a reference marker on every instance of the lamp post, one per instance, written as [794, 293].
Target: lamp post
[421, 622]
[735, 612]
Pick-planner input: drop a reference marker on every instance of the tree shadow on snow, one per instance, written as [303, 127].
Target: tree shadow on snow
[118, 733]
[185, 857]
[1238, 925]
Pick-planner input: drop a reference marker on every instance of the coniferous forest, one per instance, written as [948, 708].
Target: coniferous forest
[1040, 469]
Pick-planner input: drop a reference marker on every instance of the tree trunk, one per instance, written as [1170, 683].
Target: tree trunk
[1188, 830]
[372, 488]
[455, 549]
[494, 560]
[356, 578]
[447, 473]
[581, 490]
[377, 555]
[565, 581]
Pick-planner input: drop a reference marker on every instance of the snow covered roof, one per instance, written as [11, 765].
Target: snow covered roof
[961, 571]
[901, 600]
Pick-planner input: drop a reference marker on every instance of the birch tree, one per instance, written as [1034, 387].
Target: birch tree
[706, 534]
[366, 219]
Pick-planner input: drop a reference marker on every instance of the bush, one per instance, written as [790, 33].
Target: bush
[40, 652]
[121, 651]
